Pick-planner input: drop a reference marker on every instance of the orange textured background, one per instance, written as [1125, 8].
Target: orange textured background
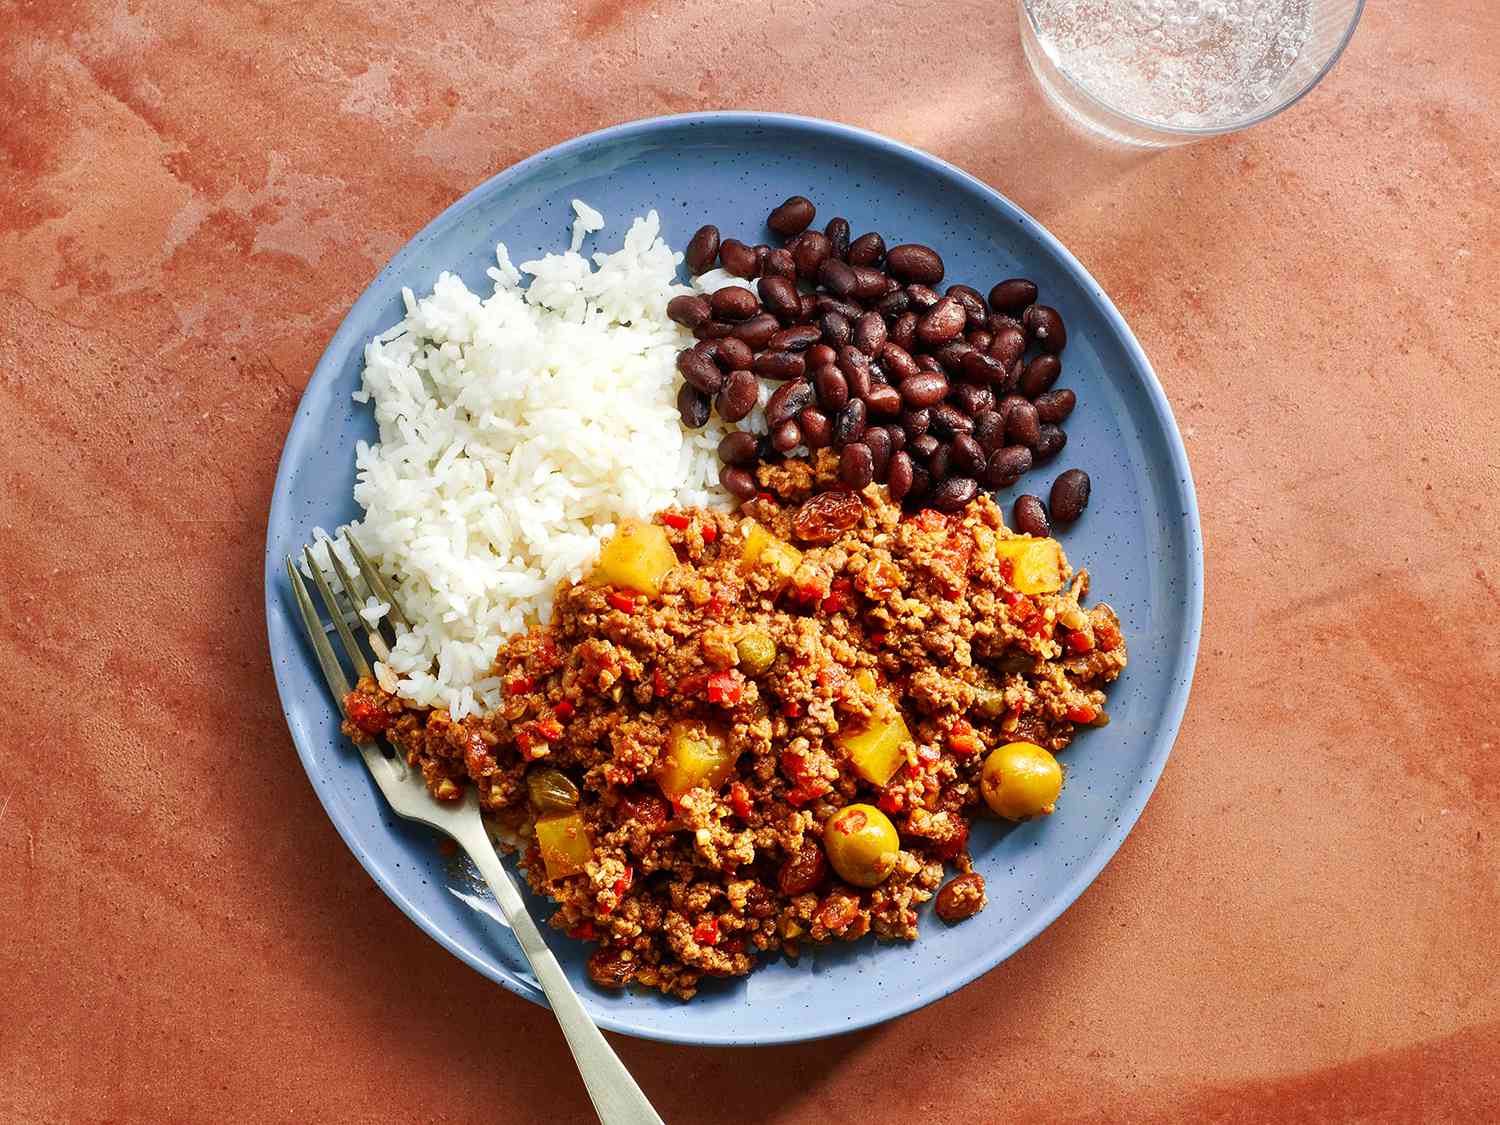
[1305, 926]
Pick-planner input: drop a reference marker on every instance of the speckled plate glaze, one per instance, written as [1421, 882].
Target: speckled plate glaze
[1139, 538]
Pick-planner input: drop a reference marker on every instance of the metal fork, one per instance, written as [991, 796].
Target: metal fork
[616, 1097]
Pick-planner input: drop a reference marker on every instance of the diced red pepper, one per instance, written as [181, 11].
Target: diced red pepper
[947, 849]
[550, 729]
[519, 685]
[739, 800]
[892, 800]
[658, 683]
[564, 710]
[1008, 572]
[764, 496]
[930, 519]
[838, 596]
[623, 883]
[790, 710]
[1082, 714]
[584, 931]
[1107, 635]
[710, 533]
[877, 639]
[621, 601]
[365, 713]
[928, 755]
[706, 932]
[1023, 608]
[1080, 641]
[807, 791]
[675, 519]
[691, 685]
[962, 738]
[1012, 598]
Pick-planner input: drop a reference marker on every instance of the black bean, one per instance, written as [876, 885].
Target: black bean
[989, 430]
[713, 330]
[903, 331]
[1008, 345]
[878, 440]
[797, 338]
[923, 445]
[975, 309]
[1050, 441]
[856, 368]
[921, 481]
[951, 356]
[779, 263]
[884, 399]
[856, 465]
[786, 437]
[998, 321]
[811, 252]
[922, 297]
[973, 400]
[980, 339]
[912, 261]
[827, 302]
[1012, 377]
[836, 329]
[1030, 516]
[1070, 495]
[738, 258]
[733, 354]
[925, 388]
[1045, 325]
[810, 306]
[1007, 466]
[941, 461]
[898, 436]
[1022, 427]
[689, 310]
[1039, 375]
[948, 420]
[780, 365]
[837, 231]
[849, 423]
[927, 362]
[866, 250]
[817, 430]
[692, 404]
[894, 304]
[780, 295]
[869, 283]
[941, 323]
[757, 330]
[792, 217]
[968, 457]
[702, 249]
[898, 474]
[837, 277]
[738, 395]
[1013, 295]
[832, 388]
[897, 362]
[788, 400]
[1054, 406]
[699, 369]
[738, 447]
[821, 355]
[980, 368]
[954, 493]
[738, 482]
[870, 333]
[762, 255]
[916, 422]
[734, 302]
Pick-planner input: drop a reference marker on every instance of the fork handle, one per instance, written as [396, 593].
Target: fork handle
[616, 1097]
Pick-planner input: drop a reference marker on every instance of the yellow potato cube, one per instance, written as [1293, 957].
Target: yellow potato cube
[764, 549]
[1036, 564]
[637, 557]
[698, 754]
[565, 843]
[875, 750]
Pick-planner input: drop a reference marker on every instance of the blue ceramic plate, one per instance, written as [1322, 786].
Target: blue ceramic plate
[1139, 538]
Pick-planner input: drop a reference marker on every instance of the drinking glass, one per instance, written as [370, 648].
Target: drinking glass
[1166, 72]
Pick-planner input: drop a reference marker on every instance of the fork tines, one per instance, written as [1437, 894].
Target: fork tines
[339, 614]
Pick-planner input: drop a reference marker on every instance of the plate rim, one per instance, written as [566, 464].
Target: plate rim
[337, 349]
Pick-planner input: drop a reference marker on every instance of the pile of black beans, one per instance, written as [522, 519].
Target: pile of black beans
[935, 394]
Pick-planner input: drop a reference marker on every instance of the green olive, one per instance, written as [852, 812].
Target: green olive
[757, 652]
[550, 790]
[1021, 780]
[989, 702]
[862, 845]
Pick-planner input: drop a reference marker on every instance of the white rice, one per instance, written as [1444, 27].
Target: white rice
[516, 431]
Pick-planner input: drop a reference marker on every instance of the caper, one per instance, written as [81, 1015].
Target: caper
[757, 652]
[550, 790]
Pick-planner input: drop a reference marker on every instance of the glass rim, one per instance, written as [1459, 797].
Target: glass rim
[1205, 130]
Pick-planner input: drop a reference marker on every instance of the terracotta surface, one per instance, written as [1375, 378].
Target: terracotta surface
[1305, 924]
